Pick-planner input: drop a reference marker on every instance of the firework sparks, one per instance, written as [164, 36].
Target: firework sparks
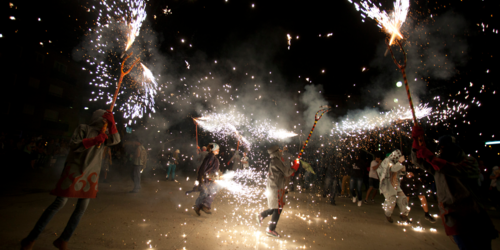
[281, 134]
[392, 22]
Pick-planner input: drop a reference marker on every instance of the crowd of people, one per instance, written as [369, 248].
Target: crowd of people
[453, 179]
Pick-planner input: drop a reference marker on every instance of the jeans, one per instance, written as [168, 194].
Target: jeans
[207, 195]
[171, 167]
[333, 190]
[358, 182]
[59, 203]
[469, 242]
[136, 177]
[274, 220]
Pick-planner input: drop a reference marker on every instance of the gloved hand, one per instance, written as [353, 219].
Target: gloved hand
[89, 142]
[111, 122]
[296, 165]
[425, 153]
[417, 134]
[402, 159]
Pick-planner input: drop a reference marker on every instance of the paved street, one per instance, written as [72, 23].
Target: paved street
[160, 217]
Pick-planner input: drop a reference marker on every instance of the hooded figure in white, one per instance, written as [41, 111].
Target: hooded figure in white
[390, 172]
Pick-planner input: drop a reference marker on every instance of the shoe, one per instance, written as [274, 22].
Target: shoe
[27, 244]
[389, 219]
[206, 210]
[365, 201]
[359, 203]
[259, 219]
[197, 210]
[353, 199]
[60, 244]
[272, 233]
[404, 218]
[430, 218]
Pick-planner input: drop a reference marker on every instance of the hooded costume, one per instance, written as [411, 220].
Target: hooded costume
[275, 190]
[81, 172]
[390, 172]
[276, 179]
[207, 173]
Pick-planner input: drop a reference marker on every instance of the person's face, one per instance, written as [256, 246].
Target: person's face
[244, 154]
[216, 152]
[378, 159]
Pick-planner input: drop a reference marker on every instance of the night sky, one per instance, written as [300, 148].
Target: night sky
[254, 39]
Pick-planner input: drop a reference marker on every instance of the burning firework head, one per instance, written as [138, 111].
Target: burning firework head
[391, 23]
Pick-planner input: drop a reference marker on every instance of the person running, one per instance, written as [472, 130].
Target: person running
[80, 176]
[389, 172]
[332, 178]
[207, 174]
[373, 181]
[455, 174]
[275, 189]
[413, 185]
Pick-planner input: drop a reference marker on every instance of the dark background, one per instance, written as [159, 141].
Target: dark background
[226, 31]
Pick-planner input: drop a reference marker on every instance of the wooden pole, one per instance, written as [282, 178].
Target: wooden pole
[122, 74]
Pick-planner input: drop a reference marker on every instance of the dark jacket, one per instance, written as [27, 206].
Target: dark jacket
[460, 211]
[208, 169]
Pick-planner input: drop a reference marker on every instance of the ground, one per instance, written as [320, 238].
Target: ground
[160, 217]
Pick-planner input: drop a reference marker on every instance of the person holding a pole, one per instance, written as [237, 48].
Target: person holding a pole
[80, 176]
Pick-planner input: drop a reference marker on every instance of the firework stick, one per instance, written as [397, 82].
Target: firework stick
[316, 119]
[403, 71]
[196, 129]
[122, 74]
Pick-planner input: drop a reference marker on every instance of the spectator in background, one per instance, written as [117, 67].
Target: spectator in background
[495, 187]
[139, 164]
[332, 178]
[373, 181]
[357, 172]
[235, 161]
[346, 178]
[244, 161]
[173, 162]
